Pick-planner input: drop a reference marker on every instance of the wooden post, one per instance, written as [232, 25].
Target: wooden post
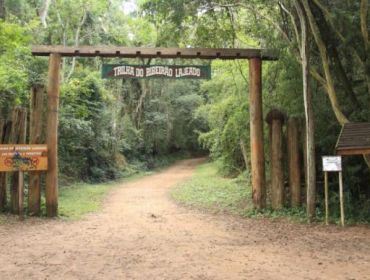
[256, 133]
[293, 162]
[52, 135]
[2, 130]
[275, 118]
[341, 198]
[18, 136]
[21, 194]
[37, 106]
[304, 142]
[3, 175]
[326, 198]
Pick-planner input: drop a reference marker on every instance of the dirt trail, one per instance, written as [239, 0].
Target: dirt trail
[142, 234]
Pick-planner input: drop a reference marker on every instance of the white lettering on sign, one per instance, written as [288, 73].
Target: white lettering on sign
[188, 71]
[6, 149]
[139, 72]
[332, 163]
[124, 70]
[158, 71]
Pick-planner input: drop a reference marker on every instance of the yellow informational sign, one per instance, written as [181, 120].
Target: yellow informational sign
[23, 158]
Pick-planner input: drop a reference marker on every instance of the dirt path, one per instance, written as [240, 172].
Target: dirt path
[142, 234]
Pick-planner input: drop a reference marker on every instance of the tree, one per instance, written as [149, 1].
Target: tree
[2, 9]
[309, 115]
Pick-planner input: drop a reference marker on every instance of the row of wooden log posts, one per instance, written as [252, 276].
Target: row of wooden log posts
[14, 131]
[276, 120]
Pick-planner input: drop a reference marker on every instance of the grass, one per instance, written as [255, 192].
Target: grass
[80, 199]
[77, 200]
[2, 219]
[210, 191]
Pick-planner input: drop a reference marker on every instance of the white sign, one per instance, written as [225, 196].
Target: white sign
[332, 163]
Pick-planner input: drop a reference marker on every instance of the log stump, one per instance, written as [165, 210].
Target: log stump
[294, 168]
[276, 119]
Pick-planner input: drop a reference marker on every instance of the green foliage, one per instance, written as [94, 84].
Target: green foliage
[14, 62]
[85, 130]
[78, 200]
[227, 114]
[292, 214]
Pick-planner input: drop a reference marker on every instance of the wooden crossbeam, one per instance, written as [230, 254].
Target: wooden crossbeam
[112, 51]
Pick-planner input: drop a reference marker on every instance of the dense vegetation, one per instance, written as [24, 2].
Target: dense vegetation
[109, 127]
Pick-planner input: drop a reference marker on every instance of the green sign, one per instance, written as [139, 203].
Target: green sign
[156, 71]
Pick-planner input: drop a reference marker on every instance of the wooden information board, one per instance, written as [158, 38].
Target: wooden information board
[23, 158]
[332, 163]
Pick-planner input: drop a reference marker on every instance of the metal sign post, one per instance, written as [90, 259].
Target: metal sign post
[333, 164]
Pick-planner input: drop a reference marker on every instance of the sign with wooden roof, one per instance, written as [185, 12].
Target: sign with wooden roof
[354, 139]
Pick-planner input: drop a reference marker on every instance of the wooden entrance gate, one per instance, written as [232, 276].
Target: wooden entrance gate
[255, 57]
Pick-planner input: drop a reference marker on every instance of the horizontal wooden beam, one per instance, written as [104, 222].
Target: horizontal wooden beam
[112, 51]
[353, 151]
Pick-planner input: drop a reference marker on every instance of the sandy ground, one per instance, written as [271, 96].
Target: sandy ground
[142, 234]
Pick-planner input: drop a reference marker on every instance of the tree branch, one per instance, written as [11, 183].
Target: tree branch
[309, 116]
[292, 19]
[342, 119]
[77, 42]
[363, 15]
[329, 18]
[43, 12]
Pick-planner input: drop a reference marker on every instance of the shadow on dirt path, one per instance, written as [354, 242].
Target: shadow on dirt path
[142, 234]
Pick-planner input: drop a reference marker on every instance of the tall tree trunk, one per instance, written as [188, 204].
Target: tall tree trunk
[43, 12]
[309, 114]
[364, 9]
[2, 9]
[342, 119]
[77, 42]
[327, 31]
[244, 150]
[2, 174]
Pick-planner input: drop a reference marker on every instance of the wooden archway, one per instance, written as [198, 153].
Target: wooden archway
[255, 57]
